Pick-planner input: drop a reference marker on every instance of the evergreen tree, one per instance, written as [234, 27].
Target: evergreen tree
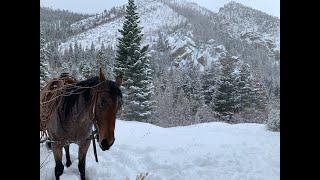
[55, 58]
[100, 60]
[44, 55]
[129, 44]
[245, 91]
[209, 81]
[92, 53]
[109, 62]
[87, 69]
[133, 63]
[76, 56]
[225, 99]
[259, 97]
[70, 57]
[192, 88]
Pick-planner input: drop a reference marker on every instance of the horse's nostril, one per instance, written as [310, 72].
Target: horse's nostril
[104, 143]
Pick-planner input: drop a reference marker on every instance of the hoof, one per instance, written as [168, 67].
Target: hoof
[58, 170]
[83, 177]
[68, 163]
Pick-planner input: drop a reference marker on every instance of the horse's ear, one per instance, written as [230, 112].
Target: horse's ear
[101, 75]
[119, 80]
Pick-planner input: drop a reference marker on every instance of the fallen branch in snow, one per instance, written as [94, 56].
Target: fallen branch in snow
[141, 176]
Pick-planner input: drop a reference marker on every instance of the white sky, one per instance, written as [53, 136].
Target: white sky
[271, 7]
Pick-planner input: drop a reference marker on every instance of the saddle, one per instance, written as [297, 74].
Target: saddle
[50, 97]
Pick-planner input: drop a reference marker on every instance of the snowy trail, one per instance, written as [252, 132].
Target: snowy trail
[215, 151]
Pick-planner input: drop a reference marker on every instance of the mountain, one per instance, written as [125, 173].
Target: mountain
[252, 25]
[55, 24]
[194, 34]
[183, 35]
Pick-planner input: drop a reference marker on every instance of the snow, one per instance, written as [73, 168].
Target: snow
[214, 151]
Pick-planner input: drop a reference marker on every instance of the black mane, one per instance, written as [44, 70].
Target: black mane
[71, 100]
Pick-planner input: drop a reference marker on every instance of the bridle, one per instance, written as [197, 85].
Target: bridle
[95, 131]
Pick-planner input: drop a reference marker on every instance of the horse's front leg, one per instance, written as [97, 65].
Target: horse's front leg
[57, 153]
[68, 160]
[83, 149]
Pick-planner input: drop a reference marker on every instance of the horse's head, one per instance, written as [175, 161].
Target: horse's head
[108, 103]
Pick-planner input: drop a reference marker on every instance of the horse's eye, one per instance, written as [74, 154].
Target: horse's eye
[103, 102]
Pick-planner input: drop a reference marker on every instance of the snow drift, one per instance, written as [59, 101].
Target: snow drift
[214, 151]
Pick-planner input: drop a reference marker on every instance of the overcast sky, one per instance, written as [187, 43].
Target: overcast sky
[271, 7]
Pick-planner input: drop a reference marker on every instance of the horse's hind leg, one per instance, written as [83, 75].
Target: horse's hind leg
[57, 153]
[83, 149]
[68, 160]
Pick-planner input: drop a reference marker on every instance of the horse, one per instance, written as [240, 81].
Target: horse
[83, 105]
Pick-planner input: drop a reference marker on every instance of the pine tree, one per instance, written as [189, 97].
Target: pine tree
[209, 82]
[86, 69]
[55, 58]
[100, 60]
[245, 91]
[76, 56]
[192, 88]
[134, 64]
[162, 55]
[146, 84]
[224, 96]
[44, 58]
[129, 44]
[109, 62]
[70, 57]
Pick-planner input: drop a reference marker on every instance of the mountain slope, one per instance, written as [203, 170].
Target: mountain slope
[153, 15]
[194, 35]
[252, 25]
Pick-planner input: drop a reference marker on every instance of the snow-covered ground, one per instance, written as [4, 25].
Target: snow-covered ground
[209, 151]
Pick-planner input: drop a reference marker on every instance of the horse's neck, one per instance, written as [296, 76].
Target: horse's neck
[82, 110]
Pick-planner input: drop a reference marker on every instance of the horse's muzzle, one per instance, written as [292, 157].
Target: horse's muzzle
[105, 145]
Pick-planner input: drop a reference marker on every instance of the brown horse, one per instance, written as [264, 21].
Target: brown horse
[93, 102]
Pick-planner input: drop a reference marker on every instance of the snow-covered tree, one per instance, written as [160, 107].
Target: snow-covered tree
[210, 78]
[44, 55]
[76, 53]
[109, 62]
[245, 91]
[87, 70]
[273, 122]
[55, 56]
[192, 88]
[133, 62]
[100, 60]
[225, 99]
[128, 46]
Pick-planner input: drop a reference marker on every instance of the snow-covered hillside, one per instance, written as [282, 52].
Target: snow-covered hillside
[173, 19]
[251, 25]
[153, 15]
[187, 53]
[209, 151]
